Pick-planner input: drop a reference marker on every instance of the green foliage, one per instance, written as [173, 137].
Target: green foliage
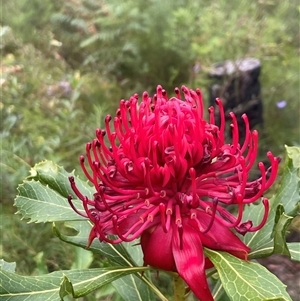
[247, 281]
[240, 279]
[35, 14]
[141, 45]
[44, 106]
[285, 206]
[57, 285]
[129, 41]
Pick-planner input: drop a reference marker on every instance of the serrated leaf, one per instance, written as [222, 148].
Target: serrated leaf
[261, 242]
[247, 281]
[57, 178]
[294, 249]
[43, 195]
[14, 287]
[40, 203]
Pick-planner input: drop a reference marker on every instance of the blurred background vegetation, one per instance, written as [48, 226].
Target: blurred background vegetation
[66, 64]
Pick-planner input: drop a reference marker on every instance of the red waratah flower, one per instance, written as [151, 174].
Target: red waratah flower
[166, 175]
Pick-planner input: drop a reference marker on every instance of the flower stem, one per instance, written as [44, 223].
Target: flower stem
[179, 289]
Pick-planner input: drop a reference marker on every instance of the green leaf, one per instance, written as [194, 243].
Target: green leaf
[218, 292]
[43, 195]
[66, 288]
[247, 281]
[57, 179]
[108, 292]
[132, 288]
[261, 242]
[83, 259]
[117, 254]
[294, 249]
[40, 203]
[134, 249]
[120, 254]
[55, 285]
[294, 153]
[282, 221]
[289, 191]
[7, 266]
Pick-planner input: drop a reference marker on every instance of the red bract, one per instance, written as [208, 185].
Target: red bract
[166, 175]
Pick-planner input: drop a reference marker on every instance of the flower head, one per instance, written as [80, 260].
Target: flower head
[166, 175]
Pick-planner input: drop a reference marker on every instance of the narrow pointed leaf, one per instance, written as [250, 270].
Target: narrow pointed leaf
[247, 281]
[55, 285]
